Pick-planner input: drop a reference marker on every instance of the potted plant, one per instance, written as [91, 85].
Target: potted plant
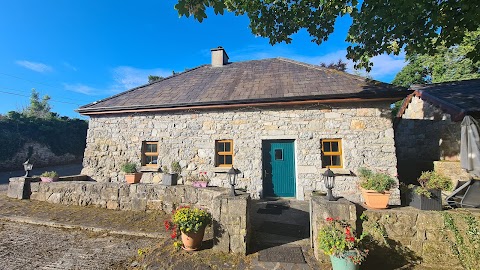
[170, 177]
[191, 223]
[131, 174]
[428, 196]
[375, 188]
[337, 239]
[201, 180]
[49, 176]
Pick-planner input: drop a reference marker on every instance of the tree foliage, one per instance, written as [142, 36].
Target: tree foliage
[61, 134]
[38, 108]
[379, 26]
[340, 65]
[449, 64]
[154, 78]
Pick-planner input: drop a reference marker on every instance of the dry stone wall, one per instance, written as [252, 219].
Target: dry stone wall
[189, 137]
[230, 214]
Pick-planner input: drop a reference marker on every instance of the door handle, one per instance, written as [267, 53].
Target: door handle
[265, 173]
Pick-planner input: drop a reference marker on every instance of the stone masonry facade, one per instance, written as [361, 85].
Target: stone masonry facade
[426, 133]
[189, 137]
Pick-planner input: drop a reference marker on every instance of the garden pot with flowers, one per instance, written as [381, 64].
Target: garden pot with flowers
[428, 196]
[191, 223]
[337, 239]
[201, 180]
[375, 188]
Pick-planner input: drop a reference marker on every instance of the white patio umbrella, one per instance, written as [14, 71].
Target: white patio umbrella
[470, 146]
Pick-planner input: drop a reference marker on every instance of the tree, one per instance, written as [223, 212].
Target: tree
[340, 65]
[379, 26]
[449, 64]
[153, 78]
[38, 108]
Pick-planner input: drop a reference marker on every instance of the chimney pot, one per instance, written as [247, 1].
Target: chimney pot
[219, 57]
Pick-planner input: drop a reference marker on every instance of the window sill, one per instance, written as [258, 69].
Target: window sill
[221, 169]
[338, 171]
[149, 169]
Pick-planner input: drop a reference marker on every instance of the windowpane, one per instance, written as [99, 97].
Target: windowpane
[151, 160]
[278, 154]
[326, 147]
[326, 161]
[221, 147]
[336, 161]
[228, 160]
[334, 146]
[227, 147]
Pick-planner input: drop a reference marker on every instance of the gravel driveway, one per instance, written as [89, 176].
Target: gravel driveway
[26, 246]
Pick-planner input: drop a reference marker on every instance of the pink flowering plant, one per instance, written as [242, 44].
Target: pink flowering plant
[186, 219]
[337, 238]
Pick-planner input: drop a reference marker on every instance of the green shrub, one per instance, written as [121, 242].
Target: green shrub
[379, 182]
[176, 168]
[61, 134]
[432, 180]
[51, 174]
[129, 167]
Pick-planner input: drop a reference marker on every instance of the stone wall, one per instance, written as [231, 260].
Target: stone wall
[426, 133]
[420, 236]
[230, 226]
[405, 236]
[189, 137]
[423, 135]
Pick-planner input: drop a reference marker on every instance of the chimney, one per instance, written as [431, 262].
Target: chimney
[219, 57]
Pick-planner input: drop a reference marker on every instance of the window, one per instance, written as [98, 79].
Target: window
[150, 154]
[224, 153]
[332, 153]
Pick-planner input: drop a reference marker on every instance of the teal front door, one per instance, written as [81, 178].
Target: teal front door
[278, 168]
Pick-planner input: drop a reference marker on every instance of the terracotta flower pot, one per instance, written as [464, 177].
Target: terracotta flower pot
[376, 200]
[193, 240]
[133, 178]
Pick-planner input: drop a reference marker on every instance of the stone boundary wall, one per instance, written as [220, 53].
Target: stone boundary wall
[421, 232]
[230, 225]
[412, 236]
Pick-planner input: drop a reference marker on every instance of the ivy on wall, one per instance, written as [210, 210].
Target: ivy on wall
[61, 134]
[465, 244]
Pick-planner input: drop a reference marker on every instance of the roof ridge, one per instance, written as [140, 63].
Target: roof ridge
[441, 83]
[357, 77]
[141, 86]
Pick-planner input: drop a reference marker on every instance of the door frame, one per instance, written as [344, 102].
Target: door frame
[295, 167]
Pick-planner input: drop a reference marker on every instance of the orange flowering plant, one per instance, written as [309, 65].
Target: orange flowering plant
[337, 238]
[186, 219]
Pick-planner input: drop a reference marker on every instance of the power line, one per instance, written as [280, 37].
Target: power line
[17, 94]
[22, 92]
[28, 80]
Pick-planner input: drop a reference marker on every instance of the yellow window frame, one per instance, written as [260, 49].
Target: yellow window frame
[149, 154]
[333, 153]
[219, 153]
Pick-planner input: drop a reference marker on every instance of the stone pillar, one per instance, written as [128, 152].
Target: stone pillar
[322, 209]
[19, 188]
[231, 226]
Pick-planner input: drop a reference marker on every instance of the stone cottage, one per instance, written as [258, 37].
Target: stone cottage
[281, 123]
[428, 128]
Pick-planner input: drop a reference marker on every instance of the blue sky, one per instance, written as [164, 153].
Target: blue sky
[78, 52]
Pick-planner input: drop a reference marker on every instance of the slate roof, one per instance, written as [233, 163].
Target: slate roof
[257, 81]
[457, 98]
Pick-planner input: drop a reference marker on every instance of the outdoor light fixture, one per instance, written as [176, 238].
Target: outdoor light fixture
[27, 166]
[329, 181]
[232, 179]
